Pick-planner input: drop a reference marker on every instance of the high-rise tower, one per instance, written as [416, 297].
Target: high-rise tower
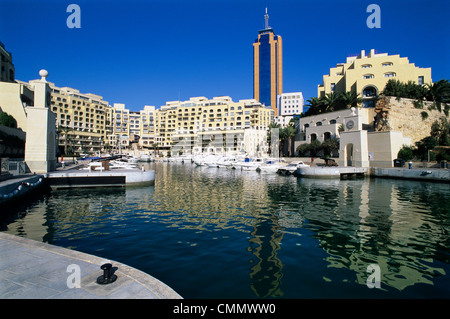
[267, 66]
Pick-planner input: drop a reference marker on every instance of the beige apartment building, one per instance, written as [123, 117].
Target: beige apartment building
[367, 75]
[147, 126]
[80, 119]
[210, 125]
[130, 127]
[117, 127]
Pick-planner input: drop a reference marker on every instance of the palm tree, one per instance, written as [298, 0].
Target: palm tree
[331, 101]
[394, 88]
[65, 130]
[439, 92]
[155, 145]
[315, 106]
[287, 134]
[351, 99]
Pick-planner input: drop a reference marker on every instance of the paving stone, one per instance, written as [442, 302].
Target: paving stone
[34, 270]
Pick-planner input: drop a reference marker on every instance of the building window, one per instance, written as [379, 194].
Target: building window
[387, 64]
[368, 76]
[333, 87]
[366, 66]
[389, 75]
[421, 80]
[369, 92]
[368, 103]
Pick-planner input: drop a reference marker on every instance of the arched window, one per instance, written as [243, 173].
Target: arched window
[319, 124]
[389, 75]
[332, 121]
[313, 137]
[369, 91]
[369, 95]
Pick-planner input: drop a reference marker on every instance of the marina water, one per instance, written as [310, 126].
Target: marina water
[221, 233]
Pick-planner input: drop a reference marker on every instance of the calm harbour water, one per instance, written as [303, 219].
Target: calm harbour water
[218, 233]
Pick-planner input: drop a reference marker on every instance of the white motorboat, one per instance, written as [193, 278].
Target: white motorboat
[291, 168]
[118, 164]
[218, 162]
[133, 160]
[145, 158]
[272, 166]
[205, 160]
[251, 165]
[227, 162]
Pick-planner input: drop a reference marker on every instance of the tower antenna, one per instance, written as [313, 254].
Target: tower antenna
[266, 18]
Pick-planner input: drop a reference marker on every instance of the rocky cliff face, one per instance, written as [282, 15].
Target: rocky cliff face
[403, 116]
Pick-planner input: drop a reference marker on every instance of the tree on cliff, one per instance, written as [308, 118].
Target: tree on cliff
[439, 92]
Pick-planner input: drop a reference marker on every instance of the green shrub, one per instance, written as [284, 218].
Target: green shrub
[406, 153]
[424, 115]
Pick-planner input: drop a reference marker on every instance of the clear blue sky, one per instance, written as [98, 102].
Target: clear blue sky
[148, 52]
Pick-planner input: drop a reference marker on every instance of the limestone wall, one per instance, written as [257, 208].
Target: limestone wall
[394, 115]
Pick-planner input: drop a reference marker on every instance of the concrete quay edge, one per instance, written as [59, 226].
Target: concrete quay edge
[419, 174]
[31, 269]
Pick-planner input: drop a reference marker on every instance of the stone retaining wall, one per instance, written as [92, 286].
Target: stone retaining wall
[403, 116]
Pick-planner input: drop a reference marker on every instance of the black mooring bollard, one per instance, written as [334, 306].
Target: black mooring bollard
[107, 277]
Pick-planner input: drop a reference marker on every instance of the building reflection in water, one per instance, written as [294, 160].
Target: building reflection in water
[267, 269]
[360, 222]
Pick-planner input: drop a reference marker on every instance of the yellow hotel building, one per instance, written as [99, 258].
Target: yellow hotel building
[80, 119]
[130, 126]
[367, 75]
[210, 125]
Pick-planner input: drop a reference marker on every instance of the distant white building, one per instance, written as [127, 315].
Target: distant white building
[288, 105]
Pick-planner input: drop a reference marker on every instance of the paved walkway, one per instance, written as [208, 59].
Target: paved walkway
[30, 269]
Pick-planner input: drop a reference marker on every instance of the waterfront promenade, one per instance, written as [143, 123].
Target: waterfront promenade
[34, 270]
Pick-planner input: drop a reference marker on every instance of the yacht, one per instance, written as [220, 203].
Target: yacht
[272, 166]
[145, 158]
[133, 160]
[251, 165]
[203, 160]
[291, 168]
[227, 162]
[121, 164]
